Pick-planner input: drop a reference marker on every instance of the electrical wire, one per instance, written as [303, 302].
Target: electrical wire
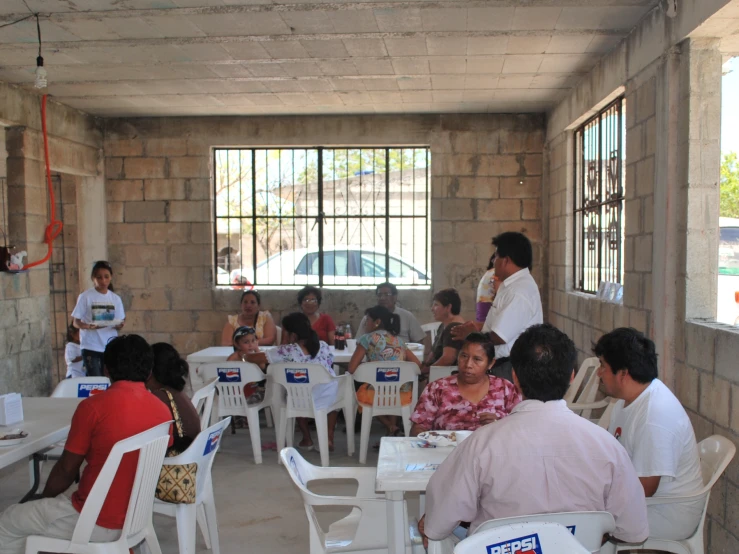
[54, 228]
[38, 28]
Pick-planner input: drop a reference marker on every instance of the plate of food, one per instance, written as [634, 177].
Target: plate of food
[414, 345]
[444, 438]
[16, 436]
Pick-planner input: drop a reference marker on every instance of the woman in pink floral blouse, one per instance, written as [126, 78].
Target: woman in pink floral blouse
[469, 399]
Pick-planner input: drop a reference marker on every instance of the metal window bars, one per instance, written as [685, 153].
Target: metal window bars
[599, 199]
[332, 217]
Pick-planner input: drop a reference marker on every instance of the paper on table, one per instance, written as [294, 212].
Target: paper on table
[11, 409]
[421, 467]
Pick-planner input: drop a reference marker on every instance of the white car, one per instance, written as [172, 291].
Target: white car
[728, 272]
[349, 265]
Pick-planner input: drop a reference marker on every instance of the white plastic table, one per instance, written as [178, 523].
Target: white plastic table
[402, 467]
[47, 421]
[220, 353]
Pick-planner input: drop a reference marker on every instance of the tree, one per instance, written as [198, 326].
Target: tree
[729, 185]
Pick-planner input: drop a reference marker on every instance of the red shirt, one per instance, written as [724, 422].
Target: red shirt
[323, 326]
[126, 409]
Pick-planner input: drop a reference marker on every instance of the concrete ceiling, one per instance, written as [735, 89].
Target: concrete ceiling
[242, 57]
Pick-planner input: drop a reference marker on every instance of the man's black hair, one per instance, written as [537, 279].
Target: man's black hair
[543, 358]
[516, 247]
[626, 348]
[128, 358]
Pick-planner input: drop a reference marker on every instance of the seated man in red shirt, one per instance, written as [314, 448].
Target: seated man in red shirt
[126, 409]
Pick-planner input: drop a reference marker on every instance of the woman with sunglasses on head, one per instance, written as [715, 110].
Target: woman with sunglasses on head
[96, 308]
[251, 316]
[309, 299]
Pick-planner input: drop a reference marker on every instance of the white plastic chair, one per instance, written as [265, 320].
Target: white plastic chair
[80, 387]
[547, 538]
[386, 378]
[583, 390]
[202, 451]
[298, 401]
[431, 328]
[278, 335]
[230, 380]
[137, 526]
[365, 528]
[716, 453]
[203, 402]
[440, 371]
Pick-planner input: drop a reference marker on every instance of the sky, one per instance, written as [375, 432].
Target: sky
[730, 108]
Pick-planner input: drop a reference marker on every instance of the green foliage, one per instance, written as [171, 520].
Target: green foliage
[729, 185]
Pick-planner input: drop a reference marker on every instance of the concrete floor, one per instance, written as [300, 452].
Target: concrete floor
[259, 509]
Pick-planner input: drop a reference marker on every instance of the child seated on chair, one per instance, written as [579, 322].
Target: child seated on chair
[99, 422]
[245, 342]
[381, 343]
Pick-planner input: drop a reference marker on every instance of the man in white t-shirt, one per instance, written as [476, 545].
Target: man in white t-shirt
[517, 304]
[410, 329]
[652, 425]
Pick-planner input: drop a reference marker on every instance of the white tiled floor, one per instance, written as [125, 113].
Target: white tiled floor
[259, 510]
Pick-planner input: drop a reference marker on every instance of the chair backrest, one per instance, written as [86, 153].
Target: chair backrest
[533, 538]
[278, 335]
[440, 371]
[151, 446]
[716, 453]
[80, 387]
[431, 328]
[203, 402]
[230, 380]
[588, 370]
[387, 378]
[587, 527]
[202, 452]
[298, 380]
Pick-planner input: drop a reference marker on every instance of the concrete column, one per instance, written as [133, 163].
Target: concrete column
[92, 229]
[699, 158]
[667, 305]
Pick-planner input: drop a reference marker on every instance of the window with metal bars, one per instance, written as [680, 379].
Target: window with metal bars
[599, 199]
[331, 217]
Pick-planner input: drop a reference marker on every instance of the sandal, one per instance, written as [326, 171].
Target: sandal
[306, 447]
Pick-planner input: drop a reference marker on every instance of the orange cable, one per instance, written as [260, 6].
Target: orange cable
[54, 228]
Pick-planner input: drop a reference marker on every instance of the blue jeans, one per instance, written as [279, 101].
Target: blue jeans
[92, 363]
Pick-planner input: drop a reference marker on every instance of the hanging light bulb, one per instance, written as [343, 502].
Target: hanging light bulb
[41, 80]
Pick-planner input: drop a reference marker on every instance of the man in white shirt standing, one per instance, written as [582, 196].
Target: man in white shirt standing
[652, 425]
[542, 458]
[517, 304]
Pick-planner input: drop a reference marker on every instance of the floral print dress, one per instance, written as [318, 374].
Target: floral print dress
[442, 407]
[324, 394]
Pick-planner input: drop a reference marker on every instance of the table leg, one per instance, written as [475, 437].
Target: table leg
[395, 522]
[37, 458]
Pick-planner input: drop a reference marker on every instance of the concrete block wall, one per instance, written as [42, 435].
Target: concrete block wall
[486, 178]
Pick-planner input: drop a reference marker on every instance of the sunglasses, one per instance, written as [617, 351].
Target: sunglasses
[244, 331]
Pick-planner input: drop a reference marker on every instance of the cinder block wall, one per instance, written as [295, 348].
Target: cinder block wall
[486, 178]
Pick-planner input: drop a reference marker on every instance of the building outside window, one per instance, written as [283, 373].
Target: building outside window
[332, 217]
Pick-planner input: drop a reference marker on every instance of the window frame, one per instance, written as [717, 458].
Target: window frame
[354, 252]
[616, 201]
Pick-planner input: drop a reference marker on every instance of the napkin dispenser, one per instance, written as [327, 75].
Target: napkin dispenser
[11, 409]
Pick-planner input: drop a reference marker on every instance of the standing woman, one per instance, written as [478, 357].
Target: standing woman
[251, 316]
[95, 307]
[310, 299]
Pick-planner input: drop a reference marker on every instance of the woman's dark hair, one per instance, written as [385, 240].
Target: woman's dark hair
[256, 295]
[484, 341]
[446, 297]
[388, 320]
[516, 247]
[169, 368]
[627, 348]
[305, 291]
[491, 263]
[298, 324]
[102, 264]
[128, 358]
[543, 358]
[71, 331]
